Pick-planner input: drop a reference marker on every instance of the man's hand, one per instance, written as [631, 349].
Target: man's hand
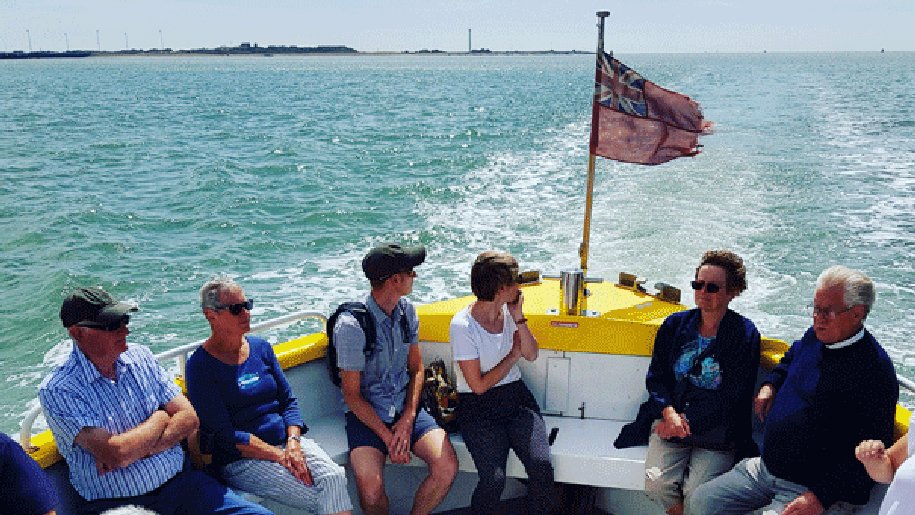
[763, 401]
[804, 504]
[294, 461]
[399, 446]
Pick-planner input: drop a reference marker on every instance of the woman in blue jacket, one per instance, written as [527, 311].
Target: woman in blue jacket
[700, 386]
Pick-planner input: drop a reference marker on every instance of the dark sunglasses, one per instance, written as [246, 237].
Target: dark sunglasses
[235, 309]
[410, 272]
[110, 326]
[709, 287]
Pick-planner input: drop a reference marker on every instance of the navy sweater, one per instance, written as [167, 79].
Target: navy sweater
[719, 418]
[237, 401]
[827, 401]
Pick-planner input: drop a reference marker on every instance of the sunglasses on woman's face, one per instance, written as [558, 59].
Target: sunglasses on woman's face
[709, 287]
[235, 309]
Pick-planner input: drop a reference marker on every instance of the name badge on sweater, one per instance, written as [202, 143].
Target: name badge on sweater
[246, 381]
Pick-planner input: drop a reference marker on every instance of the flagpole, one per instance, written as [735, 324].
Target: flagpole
[586, 236]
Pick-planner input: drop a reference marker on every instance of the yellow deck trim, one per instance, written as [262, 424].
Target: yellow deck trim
[627, 322]
[301, 350]
[44, 450]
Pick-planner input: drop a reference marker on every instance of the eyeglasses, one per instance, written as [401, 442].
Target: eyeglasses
[110, 326]
[235, 309]
[827, 313]
[411, 273]
[709, 287]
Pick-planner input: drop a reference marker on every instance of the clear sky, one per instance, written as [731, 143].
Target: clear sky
[373, 25]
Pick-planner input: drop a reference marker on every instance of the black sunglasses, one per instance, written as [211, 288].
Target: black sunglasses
[110, 326]
[235, 309]
[410, 272]
[709, 287]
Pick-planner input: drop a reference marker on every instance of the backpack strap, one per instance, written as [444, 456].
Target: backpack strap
[404, 323]
[366, 321]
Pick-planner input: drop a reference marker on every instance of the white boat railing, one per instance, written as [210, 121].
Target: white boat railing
[908, 384]
[179, 354]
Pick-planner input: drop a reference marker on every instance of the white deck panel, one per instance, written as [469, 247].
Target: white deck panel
[583, 454]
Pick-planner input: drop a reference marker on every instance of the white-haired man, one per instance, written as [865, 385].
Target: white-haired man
[833, 388]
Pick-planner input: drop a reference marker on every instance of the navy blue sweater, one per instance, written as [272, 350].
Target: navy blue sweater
[237, 401]
[827, 401]
[719, 417]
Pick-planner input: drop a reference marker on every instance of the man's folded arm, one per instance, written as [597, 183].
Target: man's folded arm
[162, 430]
[113, 451]
[182, 423]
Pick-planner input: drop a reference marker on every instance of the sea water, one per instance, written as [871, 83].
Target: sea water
[149, 176]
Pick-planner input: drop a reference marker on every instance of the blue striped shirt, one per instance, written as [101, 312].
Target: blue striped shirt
[76, 395]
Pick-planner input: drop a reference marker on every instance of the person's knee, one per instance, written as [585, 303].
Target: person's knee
[446, 468]
[371, 490]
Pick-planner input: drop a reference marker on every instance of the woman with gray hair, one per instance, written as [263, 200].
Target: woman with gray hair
[249, 414]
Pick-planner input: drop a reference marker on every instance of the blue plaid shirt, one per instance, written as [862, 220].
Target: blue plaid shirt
[76, 395]
[385, 376]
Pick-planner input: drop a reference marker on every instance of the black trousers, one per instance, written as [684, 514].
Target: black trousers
[502, 418]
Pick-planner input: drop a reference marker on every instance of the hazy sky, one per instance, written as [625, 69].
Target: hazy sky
[369, 25]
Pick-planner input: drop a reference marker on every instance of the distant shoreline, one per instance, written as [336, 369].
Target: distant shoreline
[246, 49]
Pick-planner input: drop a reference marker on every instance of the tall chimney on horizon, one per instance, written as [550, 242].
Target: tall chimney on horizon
[469, 41]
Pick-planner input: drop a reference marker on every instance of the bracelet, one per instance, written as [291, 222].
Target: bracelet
[520, 321]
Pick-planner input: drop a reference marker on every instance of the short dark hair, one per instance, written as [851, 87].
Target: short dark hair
[735, 272]
[492, 270]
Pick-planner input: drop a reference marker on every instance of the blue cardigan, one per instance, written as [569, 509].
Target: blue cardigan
[826, 402]
[719, 417]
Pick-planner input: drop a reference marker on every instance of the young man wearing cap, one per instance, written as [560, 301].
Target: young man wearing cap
[382, 390]
[118, 420]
